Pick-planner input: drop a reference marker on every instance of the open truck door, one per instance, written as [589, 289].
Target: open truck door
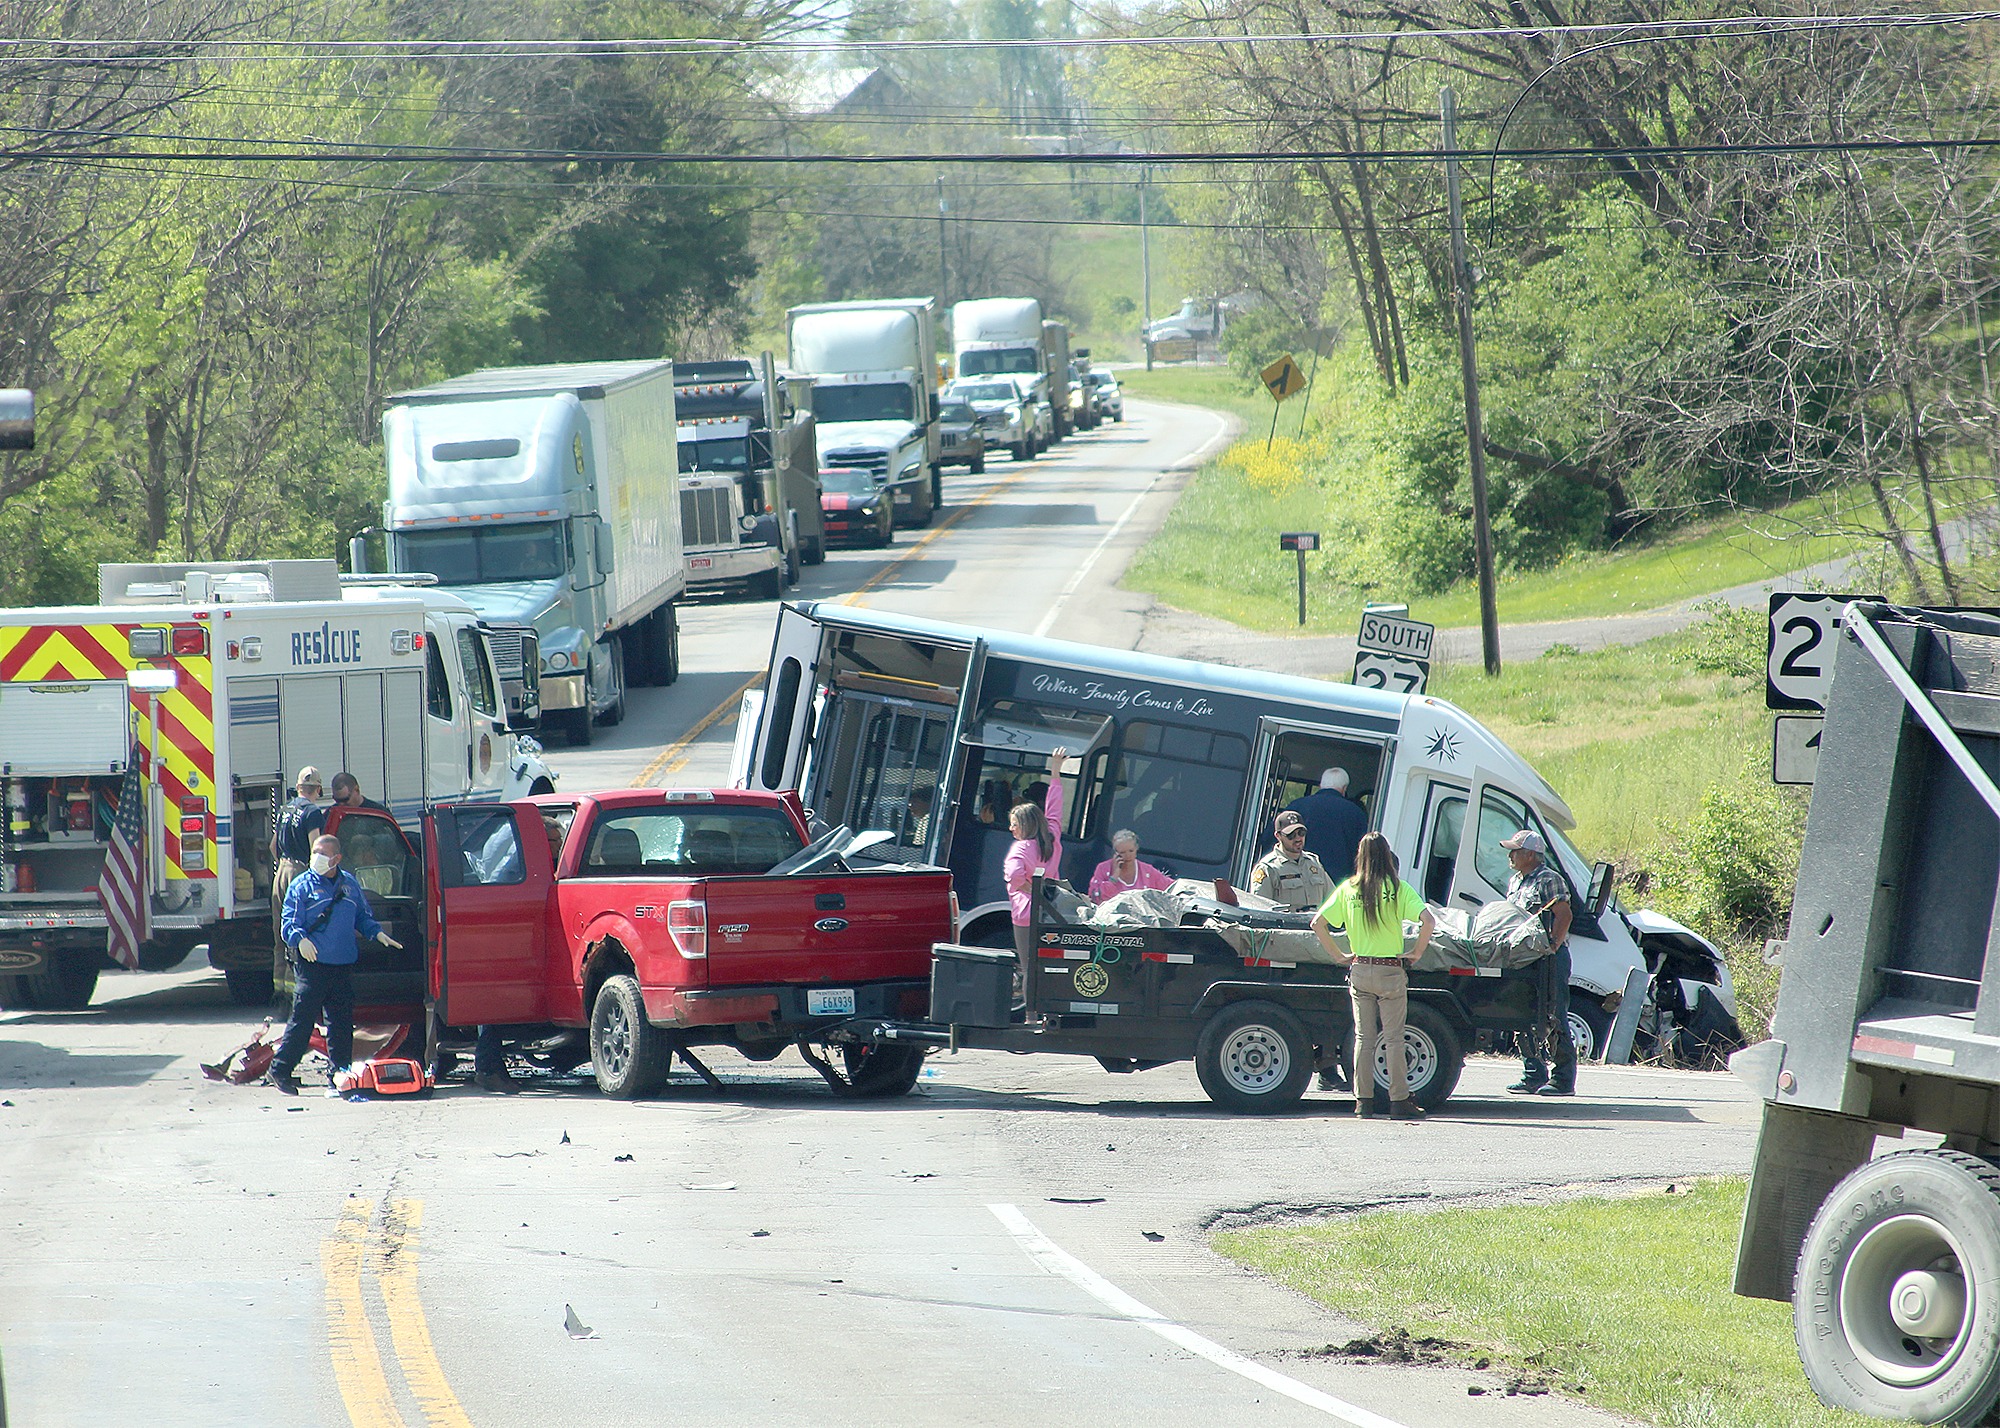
[491, 872]
[388, 981]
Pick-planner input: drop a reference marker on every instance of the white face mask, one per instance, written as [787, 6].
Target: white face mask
[322, 864]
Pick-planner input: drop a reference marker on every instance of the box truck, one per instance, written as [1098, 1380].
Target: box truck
[547, 496]
[875, 393]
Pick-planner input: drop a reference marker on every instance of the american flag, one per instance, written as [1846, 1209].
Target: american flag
[122, 886]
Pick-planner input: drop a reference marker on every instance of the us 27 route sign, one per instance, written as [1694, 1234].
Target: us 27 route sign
[1393, 653]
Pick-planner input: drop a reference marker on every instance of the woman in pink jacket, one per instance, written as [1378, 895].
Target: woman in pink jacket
[1123, 870]
[1035, 851]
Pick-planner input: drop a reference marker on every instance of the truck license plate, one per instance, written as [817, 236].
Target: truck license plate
[830, 1003]
[700, 562]
[903, 498]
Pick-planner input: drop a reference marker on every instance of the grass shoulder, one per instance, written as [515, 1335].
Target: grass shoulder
[1622, 1302]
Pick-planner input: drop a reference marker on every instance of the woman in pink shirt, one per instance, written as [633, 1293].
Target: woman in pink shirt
[1122, 871]
[1035, 851]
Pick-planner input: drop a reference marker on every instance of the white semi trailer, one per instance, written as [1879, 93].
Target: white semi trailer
[548, 496]
[875, 394]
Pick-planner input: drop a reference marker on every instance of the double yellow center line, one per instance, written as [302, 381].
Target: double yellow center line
[674, 756]
[360, 1248]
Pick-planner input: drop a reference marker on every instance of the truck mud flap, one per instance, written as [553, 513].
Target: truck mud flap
[1618, 1045]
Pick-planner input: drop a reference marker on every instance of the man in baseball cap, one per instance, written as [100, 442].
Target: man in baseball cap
[1538, 888]
[292, 834]
[1288, 873]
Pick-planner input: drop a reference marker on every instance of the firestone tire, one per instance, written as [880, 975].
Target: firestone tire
[628, 1053]
[873, 1073]
[1906, 1244]
[1254, 1058]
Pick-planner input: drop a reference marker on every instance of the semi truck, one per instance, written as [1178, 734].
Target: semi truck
[872, 716]
[749, 475]
[875, 394]
[1887, 1029]
[995, 336]
[547, 496]
[201, 690]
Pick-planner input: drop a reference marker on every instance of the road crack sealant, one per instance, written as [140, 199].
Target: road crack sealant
[1267, 1214]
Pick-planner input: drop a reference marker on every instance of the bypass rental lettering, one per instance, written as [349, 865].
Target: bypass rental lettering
[326, 645]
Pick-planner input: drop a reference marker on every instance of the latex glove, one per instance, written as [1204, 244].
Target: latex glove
[307, 950]
[387, 941]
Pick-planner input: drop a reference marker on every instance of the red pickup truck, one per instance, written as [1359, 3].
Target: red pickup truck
[663, 919]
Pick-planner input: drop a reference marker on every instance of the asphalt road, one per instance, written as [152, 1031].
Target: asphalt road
[1020, 1241]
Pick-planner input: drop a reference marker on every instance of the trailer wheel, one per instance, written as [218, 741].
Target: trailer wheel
[63, 983]
[629, 1054]
[868, 1073]
[1253, 1057]
[249, 986]
[1432, 1056]
[15, 994]
[1895, 1308]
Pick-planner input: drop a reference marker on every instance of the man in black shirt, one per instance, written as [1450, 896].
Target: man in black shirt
[297, 824]
[347, 792]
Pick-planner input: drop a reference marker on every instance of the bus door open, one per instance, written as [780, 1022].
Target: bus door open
[1290, 756]
[785, 721]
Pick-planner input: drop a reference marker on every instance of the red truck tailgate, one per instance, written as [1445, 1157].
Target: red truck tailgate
[835, 928]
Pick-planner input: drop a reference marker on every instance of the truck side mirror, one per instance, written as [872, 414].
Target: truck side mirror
[526, 716]
[603, 534]
[1602, 876]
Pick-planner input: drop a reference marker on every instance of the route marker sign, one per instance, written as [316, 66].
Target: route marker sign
[1795, 747]
[1284, 378]
[1798, 651]
[1393, 653]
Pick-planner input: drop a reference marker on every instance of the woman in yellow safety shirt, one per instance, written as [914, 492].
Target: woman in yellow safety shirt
[1371, 908]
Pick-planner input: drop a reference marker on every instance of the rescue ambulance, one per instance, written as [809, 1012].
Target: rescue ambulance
[201, 690]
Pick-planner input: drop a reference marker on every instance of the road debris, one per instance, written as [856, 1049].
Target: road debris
[713, 1185]
[1076, 1199]
[621, 1157]
[576, 1327]
[1154, 1235]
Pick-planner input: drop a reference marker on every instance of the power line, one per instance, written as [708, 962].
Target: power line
[343, 152]
[101, 50]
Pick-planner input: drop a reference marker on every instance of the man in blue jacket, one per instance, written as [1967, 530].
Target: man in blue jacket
[325, 910]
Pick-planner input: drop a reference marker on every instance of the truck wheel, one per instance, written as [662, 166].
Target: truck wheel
[1431, 1054]
[1021, 450]
[937, 492]
[629, 1054]
[16, 995]
[577, 728]
[768, 586]
[977, 466]
[670, 641]
[792, 566]
[1895, 1308]
[63, 983]
[1253, 1057]
[249, 986]
[635, 652]
[816, 551]
[866, 1073]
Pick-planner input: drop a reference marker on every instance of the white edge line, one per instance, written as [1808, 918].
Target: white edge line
[1194, 459]
[1058, 1261]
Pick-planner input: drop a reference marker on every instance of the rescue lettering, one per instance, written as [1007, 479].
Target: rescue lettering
[326, 645]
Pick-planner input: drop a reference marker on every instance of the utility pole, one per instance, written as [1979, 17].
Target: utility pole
[1475, 430]
[941, 212]
[1145, 271]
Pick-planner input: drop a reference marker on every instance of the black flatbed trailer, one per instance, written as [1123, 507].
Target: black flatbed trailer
[1256, 1029]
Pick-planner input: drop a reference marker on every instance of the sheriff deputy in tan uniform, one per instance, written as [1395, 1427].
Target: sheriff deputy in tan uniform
[1288, 873]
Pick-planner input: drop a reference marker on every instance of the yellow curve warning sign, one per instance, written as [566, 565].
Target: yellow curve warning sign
[1284, 378]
